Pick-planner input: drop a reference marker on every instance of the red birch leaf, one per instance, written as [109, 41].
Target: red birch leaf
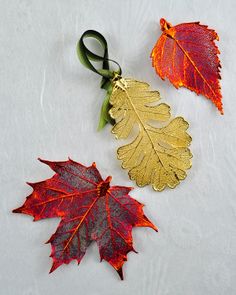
[187, 55]
[90, 210]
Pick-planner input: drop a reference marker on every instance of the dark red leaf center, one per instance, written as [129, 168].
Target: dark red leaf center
[103, 187]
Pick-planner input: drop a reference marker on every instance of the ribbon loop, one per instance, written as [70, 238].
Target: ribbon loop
[86, 56]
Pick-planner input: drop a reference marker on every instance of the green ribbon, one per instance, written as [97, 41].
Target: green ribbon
[86, 57]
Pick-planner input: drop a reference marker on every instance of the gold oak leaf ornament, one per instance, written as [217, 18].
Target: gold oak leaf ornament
[158, 155]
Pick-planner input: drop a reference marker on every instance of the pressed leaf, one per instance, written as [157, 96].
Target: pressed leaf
[90, 210]
[187, 55]
[157, 156]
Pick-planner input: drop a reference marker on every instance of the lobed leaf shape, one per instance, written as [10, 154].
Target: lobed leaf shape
[157, 156]
[90, 210]
[187, 55]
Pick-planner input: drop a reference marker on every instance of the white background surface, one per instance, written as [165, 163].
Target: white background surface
[49, 108]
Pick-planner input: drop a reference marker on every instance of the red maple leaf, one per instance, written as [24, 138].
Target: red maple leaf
[90, 209]
[187, 55]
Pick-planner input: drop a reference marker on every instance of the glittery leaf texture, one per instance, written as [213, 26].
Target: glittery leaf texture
[159, 155]
[187, 55]
[90, 210]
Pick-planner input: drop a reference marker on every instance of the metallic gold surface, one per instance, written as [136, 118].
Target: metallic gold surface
[157, 156]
